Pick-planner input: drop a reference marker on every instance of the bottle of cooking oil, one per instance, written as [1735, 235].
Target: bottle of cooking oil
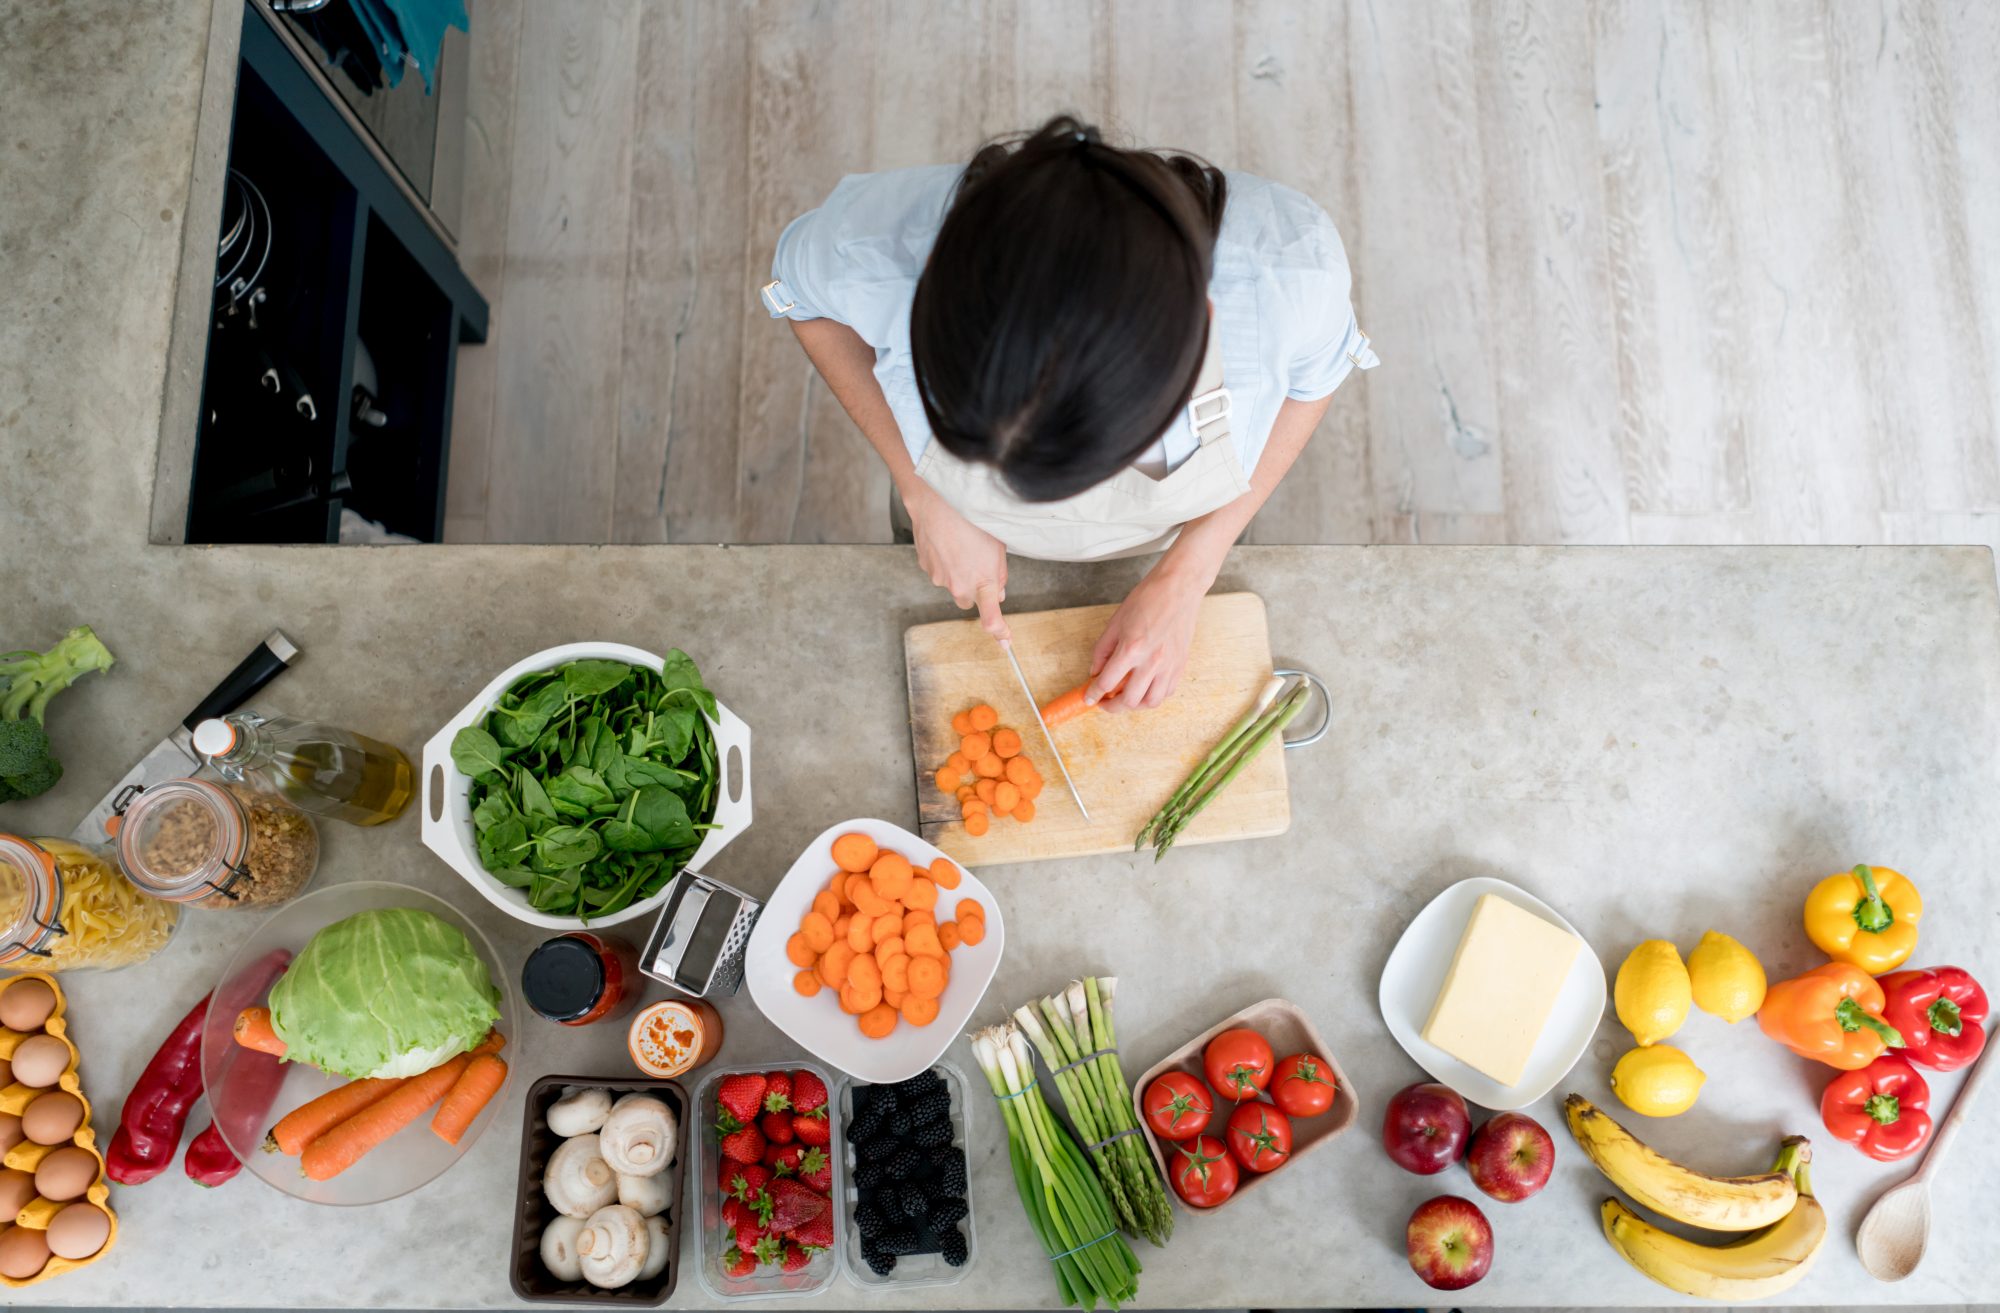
[320, 769]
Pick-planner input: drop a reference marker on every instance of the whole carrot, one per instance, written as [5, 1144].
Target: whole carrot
[1068, 706]
[346, 1144]
[307, 1122]
[253, 1031]
[493, 1043]
[474, 1089]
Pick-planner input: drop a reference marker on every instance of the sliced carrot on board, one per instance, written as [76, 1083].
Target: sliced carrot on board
[971, 929]
[1024, 810]
[806, 983]
[948, 935]
[922, 894]
[986, 790]
[1020, 770]
[976, 824]
[960, 763]
[1006, 743]
[1032, 789]
[983, 717]
[974, 746]
[944, 873]
[861, 933]
[961, 724]
[890, 875]
[854, 852]
[799, 950]
[971, 807]
[919, 1011]
[926, 977]
[947, 779]
[878, 1022]
[1006, 797]
[989, 767]
[965, 791]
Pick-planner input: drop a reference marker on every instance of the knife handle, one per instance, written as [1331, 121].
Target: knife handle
[241, 684]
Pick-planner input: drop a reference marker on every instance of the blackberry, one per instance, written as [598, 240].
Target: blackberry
[944, 1214]
[932, 1135]
[953, 1247]
[880, 1261]
[948, 1174]
[921, 1083]
[912, 1200]
[901, 1240]
[867, 1119]
[869, 1172]
[870, 1221]
[933, 1105]
[905, 1163]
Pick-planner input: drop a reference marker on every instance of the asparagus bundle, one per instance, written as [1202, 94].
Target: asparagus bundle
[1099, 1101]
[1065, 1205]
[1262, 723]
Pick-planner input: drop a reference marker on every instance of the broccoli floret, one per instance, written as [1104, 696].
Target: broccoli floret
[27, 681]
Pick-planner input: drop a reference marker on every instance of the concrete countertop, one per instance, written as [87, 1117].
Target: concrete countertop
[1655, 741]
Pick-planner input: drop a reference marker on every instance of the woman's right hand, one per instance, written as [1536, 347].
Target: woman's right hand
[959, 556]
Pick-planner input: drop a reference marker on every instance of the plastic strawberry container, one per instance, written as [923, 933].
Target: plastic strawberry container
[911, 1270]
[769, 1281]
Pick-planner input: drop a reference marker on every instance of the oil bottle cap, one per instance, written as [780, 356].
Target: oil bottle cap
[213, 738]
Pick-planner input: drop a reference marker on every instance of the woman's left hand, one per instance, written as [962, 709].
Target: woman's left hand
[1145, 646]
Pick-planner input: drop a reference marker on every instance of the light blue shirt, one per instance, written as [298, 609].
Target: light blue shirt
[1280, 287]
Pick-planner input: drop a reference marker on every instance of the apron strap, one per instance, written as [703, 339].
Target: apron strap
[1208, 409]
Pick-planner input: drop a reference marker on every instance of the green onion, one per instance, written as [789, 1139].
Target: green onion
[1065, 1204]
[1224, 762]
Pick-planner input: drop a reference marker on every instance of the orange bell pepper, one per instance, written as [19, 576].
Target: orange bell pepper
[1867, 916]
[1831, 1014]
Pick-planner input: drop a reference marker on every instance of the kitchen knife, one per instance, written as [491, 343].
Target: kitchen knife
[174, 756]
[1035, 706]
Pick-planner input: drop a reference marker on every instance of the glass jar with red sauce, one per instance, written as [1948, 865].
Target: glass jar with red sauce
[580, 977]
[672, 1038]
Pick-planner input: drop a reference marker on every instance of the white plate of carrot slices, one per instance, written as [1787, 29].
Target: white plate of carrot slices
[874, 950]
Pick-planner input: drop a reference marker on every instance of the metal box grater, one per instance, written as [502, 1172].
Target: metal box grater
[697, 944]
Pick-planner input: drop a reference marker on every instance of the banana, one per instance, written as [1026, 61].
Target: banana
[1715, 1203]
[1749, 1267]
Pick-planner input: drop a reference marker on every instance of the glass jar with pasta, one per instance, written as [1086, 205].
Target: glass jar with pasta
[66, 907]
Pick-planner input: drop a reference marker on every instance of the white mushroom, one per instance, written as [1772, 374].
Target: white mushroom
[559, 1249]
[638, 1137]
[579, 1112]
[647, 1194]
[656, 1248]
[613, 1246]
[578, 1181]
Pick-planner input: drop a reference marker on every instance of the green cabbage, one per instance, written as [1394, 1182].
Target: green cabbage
[392, 992]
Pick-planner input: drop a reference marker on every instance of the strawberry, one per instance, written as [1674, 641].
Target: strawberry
[769, 1249]
[808, 1092]
[777, 1091]
[783, 1159]
[796, 1259]
[734, 1213]
[817, 1233]
[793, 1204]
[739, 1263]
[749, 1232]
[816, 1170]
[745, 1145]
[812, 1128]
[777, 1127]
[747, 1182]
[740, 1097]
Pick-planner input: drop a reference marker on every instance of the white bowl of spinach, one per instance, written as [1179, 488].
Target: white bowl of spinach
[582, 780]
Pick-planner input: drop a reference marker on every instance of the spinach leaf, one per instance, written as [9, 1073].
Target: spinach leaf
[678, 676]
[514, 877]
[663, 816]
[580, 786]
[534, 799]
[477, 753]
[587, 679]
[562, 846]
[555, 891]
[494, 808]
[501, 845]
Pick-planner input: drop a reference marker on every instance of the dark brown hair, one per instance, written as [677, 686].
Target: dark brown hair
[1059, 324]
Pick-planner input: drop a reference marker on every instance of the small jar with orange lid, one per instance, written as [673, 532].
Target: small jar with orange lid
[673, 1038]
[65, 907]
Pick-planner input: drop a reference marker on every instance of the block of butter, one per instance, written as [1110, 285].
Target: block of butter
[1503, 982]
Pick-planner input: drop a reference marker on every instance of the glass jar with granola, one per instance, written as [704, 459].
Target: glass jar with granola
[216, 845]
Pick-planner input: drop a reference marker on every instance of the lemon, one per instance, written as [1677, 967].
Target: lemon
[1653, 992]
[1727, 978]
[1660, 1081]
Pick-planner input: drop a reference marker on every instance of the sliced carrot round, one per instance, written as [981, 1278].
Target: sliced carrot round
[1006, 796]
[971, 807]
[960, 763]
[799, 950]
[860, 933]
[864, 973]
[987, 790]
[1024, 810]
[878, 1022]
[1032, 789]
[947, 779]
[806, 983]
[885, 926]
[891, 947]
[944, 873]
[834, 962]
[1006, 742]
[948, 935]
[890, 875]
[989, 767]
[977, 824]
[827, 904]
[922, 894]
[919, 1011]
[895, 973]
[853, 852]
[971, 929]
[974, 746]
[965, 791]
[866, 900]
[926, 977]
[961, 724]
[983, 717]
[968, 907]
[817, 930]
[922, 941]
[1019, 770]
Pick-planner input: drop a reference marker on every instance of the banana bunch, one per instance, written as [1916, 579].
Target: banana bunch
[1782, 1226]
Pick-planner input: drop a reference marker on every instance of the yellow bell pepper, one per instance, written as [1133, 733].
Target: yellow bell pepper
[1866, 917]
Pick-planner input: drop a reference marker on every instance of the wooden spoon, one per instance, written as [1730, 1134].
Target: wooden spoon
[1892, 1237]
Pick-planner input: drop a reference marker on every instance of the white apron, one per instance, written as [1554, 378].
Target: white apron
[1129, 514]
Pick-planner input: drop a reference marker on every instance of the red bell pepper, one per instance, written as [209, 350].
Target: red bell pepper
[1940, 1012]
[149, 1128]
[1881, 1109]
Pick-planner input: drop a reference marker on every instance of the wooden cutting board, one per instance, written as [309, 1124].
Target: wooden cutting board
[1127, 764]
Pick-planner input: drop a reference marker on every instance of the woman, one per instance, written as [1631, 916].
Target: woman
[1071, 351]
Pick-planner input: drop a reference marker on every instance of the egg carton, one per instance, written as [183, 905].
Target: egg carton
[27, 1156]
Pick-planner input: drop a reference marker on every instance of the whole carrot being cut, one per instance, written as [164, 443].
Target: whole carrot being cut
[346, 1144]
[307, 1122]
[1068, 706]
[253, 1031]
[474, 1089]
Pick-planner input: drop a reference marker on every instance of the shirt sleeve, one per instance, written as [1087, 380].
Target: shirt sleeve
[857, 256]
[1329, 343]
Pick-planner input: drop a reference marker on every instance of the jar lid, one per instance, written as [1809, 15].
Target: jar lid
[563, 978]
[666, 1039]
[183, 839]
[213, 738]
[30, 897]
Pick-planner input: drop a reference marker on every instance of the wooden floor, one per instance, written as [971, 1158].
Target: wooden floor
[1645, 271]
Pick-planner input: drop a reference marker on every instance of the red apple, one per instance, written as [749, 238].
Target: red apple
[1425, 1128]
[1511, 1157]
[1450, 1242]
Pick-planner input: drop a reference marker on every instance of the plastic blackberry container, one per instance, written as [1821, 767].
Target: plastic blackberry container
[911, 1270]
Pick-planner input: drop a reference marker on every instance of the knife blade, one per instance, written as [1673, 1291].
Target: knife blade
[174, 756]
[1035, 706]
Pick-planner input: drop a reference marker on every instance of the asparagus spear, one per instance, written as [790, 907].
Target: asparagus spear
[1218, 770]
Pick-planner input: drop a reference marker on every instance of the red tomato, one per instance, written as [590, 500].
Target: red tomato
[1303, 1085]
[1203, 1173]
[1238, 1064]
[1178, 1106]
[1260, 1136]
